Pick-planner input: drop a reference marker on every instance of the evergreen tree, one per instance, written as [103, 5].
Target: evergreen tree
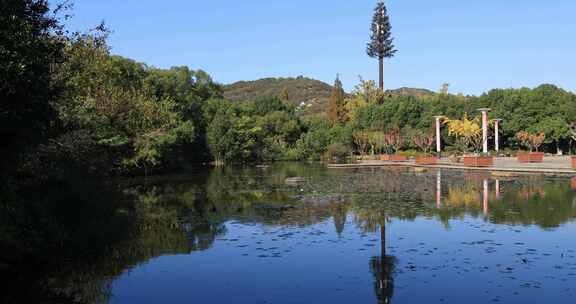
[336, 112]
[381, 43]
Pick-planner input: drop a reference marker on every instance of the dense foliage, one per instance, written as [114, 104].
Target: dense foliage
[27, 51]
[69, 106]
[545, 109]
[265, 129]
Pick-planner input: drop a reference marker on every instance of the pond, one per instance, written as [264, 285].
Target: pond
[259, 235]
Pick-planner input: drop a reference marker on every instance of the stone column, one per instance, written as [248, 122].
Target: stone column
[438, 139]
[484, 129]
[497, 134]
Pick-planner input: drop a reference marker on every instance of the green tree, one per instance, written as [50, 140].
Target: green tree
[528, 109]
[265, 105]
[233, 136]
[381, 43]
[105, 96]
[190, 90]
[320, 134]
[219, 131]
[31, 43]
[556, 130]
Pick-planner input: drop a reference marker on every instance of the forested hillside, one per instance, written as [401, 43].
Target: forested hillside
[309, 96]
[410, 92]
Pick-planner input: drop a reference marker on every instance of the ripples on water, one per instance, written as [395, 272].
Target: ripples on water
[245, 235]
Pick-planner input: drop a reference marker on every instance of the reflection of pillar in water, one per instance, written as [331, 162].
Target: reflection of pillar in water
[497, 190]
[573, 183]
[439, 189]
[485, 197]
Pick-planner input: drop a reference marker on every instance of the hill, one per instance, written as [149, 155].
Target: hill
[411, 92]
[309, 95]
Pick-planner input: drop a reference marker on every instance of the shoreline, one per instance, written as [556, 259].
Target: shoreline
[554, 166]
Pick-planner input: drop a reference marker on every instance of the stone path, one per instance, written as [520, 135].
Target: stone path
[556, 165]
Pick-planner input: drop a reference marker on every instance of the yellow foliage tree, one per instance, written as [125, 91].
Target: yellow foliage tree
[467, 132]
[364, 94]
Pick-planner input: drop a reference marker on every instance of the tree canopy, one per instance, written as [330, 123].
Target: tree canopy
[29, 47]
[69, 104]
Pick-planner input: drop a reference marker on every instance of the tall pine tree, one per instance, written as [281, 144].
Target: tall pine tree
[336, 112]
[381, 43]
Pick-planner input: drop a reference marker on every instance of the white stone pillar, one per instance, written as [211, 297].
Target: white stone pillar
[497, 134]
[484, 129]
[438, 139]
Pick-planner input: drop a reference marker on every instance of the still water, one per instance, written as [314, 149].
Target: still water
[252, 235]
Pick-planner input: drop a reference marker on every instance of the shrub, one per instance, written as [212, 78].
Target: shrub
[529, 140]
[338, 151]
[424, 141]
[409, 153]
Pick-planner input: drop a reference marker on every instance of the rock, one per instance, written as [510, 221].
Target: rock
[294, 180]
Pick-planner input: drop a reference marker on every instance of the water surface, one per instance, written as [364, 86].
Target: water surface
[249, 235]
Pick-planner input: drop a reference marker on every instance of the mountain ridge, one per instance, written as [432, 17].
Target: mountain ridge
[310, 95]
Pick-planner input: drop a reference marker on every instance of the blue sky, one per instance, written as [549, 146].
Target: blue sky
[473, 45]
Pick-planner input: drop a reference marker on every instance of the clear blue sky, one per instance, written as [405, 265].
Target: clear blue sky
[473, 45]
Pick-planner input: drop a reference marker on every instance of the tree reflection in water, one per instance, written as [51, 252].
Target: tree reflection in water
[382, 267]
[68, 244]
[530, 200]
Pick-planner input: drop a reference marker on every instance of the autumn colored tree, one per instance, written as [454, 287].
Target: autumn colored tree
[393, 139]
[336, 110]
[532, 141]
[424, 141]
[467, 132]
[284, 96]
[362, 141]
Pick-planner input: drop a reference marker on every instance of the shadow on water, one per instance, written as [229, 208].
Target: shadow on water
[70, 243]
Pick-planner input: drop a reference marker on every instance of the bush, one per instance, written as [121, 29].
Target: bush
[338, 151]
[409, 153]
[292, 154]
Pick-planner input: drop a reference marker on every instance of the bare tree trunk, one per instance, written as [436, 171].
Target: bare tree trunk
[381, 74]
